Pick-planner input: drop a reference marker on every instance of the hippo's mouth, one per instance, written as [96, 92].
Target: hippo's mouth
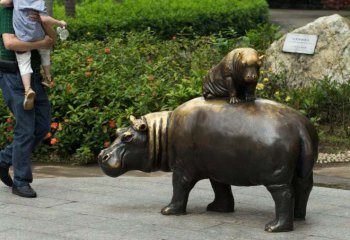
[107, 162]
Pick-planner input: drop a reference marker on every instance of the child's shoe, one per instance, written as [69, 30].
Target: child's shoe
[47, 82]
[28, 102]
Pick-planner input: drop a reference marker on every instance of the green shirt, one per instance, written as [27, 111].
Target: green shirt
[7, 27]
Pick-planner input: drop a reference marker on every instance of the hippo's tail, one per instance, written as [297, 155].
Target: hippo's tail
[309, 151]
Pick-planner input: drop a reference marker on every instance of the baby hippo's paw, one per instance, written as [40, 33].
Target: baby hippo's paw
[234, 100]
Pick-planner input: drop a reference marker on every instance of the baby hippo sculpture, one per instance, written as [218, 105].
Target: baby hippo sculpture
[255, 143]
[235, 76]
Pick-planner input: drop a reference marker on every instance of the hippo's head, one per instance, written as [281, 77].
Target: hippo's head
[248, 64]
[128, 152]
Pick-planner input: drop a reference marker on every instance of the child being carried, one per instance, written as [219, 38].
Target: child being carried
[30, 30]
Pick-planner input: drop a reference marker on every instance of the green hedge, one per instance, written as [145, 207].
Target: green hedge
[100, 83]
[98, 19]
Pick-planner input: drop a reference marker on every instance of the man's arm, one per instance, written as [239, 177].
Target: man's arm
[6, 3]
[11, 42]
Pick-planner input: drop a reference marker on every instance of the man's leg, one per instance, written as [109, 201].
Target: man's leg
[6, 153]
[24, 137]
[42, 110]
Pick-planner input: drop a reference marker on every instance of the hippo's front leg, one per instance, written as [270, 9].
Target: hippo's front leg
[181, 189]
[250, 92]
[284, 206]
[223, 201]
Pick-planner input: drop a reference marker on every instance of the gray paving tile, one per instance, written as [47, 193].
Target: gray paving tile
[30, 212]
[18, 234]
[129, 208]
[36, 226]
[89, 234]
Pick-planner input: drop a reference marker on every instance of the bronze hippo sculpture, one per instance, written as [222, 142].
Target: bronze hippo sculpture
[235, 76]
[254, 143]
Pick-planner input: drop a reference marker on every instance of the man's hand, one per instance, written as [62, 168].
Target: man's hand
[6, 3]
[47, 42]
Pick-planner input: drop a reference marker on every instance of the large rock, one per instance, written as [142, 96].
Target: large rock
[331, 58]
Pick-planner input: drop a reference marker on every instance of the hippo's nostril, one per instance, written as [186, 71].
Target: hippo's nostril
[106, 157]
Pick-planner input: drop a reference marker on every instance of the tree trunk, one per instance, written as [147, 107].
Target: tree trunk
[49, 6]
[69, 8]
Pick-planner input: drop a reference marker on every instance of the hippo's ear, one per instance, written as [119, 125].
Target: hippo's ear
[261, 59]
[127, 137]
[138, 124]
[118, 131]
[240, 56]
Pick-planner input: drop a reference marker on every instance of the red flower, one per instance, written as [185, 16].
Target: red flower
[88, 74]
[106, 144]
[150, 77]
[89, 60]
[9, 129]
[48, 135]
[112, 124]
[54, 125]
[107, 50]
[53, 141]
[9, 120]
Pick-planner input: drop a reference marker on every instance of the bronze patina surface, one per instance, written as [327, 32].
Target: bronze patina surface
[254, 143]
[235, 76]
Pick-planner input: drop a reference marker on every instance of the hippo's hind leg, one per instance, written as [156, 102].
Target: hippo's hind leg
[283, 196]
[181, 190]
[223, 201]
[302, 189]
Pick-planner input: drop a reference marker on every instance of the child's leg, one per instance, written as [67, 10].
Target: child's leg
[26, 71]
[45, 62]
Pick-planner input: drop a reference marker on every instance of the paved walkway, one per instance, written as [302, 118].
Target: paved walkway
[128, 208]
[291, 19]
[81, 203]
[336, 175]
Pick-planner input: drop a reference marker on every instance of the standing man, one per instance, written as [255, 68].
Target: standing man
[31, 126]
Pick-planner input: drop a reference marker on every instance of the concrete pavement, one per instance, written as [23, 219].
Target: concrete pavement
[289, 19]
[335, 175]
[128, 208]
[81, 203]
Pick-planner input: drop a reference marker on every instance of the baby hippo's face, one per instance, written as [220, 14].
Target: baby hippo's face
[251, 67]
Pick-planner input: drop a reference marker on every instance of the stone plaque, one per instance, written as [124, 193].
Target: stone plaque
[300, 43]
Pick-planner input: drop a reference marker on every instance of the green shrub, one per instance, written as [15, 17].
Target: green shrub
[98, 19]
[325, 102]
[99, 84]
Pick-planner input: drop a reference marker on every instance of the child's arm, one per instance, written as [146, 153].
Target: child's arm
[52, 21]
[50, 31]
[11, 42]
[46, 26]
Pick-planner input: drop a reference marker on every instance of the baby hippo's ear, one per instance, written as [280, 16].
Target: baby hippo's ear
[261, 59]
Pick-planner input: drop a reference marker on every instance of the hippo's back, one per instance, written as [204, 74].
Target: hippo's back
[259, 139]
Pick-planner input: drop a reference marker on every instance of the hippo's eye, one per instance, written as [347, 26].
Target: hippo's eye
[127, 137]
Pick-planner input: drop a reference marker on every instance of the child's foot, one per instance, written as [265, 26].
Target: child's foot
[47, 82]
[29, 96]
